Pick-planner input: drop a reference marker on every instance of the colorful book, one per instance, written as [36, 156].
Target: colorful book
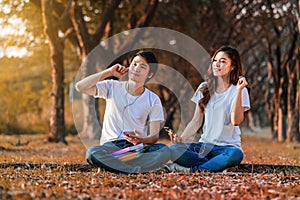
[128, 149]
[129, 156]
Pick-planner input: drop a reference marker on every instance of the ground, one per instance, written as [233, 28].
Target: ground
[30, 168]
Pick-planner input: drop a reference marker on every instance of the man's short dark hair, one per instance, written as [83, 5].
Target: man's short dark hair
[150, 59]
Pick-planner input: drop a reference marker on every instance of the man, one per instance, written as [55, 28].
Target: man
[130, 108]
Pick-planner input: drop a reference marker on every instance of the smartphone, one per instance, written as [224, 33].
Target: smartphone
[168, 130]
[128, 133]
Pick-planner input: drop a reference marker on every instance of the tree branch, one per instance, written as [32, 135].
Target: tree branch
[80, 28]
[148, 14]
[143, 21]
[105, 18]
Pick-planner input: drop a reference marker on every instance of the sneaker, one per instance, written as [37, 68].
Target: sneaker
[174, 167]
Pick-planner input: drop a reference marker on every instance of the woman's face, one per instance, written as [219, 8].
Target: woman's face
[138, 69]
[221, 64]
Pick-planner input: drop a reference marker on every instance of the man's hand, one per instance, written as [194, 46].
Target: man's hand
[118, 70]
[134, 137]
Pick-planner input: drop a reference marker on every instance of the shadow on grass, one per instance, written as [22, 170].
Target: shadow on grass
[5, 149]
[242, 168]
[264, 168]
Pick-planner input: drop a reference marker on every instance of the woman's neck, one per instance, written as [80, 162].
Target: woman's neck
[222, 86]
[134, 88]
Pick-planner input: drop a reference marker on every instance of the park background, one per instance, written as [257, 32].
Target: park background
[44, 43]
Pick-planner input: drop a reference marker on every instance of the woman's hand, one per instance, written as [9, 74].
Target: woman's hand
[241, 83]
[174, 137]
[118, 70]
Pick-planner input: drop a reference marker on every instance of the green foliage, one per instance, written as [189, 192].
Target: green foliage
[24, 88]
[16, 101]
[125, 16]
[23, 23]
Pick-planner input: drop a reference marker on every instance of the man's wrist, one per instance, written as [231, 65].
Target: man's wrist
[104, 74]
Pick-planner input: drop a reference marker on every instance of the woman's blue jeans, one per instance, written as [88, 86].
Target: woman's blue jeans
[206, 157]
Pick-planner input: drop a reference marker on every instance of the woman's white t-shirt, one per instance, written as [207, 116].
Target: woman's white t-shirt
[125, 112]
[217, 128]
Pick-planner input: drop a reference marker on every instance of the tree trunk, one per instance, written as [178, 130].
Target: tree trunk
[271, 112]
[280, 136]
[282, 122]
[292, 111]
[91, 120]
[297, 119]
[275, 118]
[87, 42]
[296, 126]
[91, 124]
[250, 119]
[57, 122]
[289, 133]
[293, 134]
[56, 45]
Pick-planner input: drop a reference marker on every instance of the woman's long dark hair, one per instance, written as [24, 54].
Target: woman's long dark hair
[211, 80]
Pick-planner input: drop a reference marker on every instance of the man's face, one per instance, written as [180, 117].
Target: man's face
[139, 69]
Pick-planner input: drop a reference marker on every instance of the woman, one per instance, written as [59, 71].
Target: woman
[221, 102]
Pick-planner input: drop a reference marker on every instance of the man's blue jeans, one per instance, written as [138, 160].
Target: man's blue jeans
[206, 157]
[151, 158]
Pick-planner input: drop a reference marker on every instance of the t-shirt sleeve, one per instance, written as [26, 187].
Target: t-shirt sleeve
[156, 111]
[197, 96]
[245, 99]
[103, 89]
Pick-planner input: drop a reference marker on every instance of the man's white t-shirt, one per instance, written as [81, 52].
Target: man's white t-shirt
[125, 112]
[217, 128]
